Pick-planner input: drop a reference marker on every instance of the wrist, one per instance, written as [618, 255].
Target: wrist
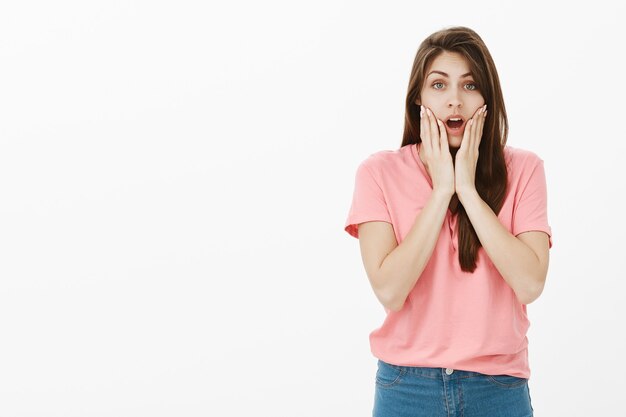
[443, 194]
[467, 194]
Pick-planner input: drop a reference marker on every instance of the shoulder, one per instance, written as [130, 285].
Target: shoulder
[386, 161]
[519, 160]
[524, 169]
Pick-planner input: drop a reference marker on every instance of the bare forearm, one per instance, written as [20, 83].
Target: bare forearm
[401, 269]
[516, 262]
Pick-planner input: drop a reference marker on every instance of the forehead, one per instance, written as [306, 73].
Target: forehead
[452, 63]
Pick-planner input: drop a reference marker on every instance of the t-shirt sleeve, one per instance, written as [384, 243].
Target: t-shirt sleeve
[368, 201]
[531, 212]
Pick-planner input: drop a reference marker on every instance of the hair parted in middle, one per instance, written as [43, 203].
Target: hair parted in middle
[491, 170]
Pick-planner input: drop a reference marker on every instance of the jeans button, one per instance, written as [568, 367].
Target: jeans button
[449, 371]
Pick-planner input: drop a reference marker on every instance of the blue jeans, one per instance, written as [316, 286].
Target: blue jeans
[403, 391]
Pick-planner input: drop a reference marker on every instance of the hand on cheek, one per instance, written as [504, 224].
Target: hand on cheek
[438, 160]
[467, 155]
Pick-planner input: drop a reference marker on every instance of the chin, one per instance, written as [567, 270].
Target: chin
[454, 143]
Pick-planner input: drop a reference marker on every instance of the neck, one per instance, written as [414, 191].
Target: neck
[453, 152]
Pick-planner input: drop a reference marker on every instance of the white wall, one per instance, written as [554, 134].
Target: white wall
[175, 176]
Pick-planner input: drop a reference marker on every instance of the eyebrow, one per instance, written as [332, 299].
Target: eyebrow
[446, 75]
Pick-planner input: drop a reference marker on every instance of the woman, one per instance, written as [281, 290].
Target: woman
[454, 238]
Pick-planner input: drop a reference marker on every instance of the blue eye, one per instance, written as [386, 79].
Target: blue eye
[474, 87]
[434, 84]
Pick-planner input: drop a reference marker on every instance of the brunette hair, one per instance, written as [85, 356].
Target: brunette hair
[491, 172]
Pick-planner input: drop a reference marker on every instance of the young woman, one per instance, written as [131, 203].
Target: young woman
[454, 238]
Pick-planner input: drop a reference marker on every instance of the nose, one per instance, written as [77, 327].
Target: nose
[454, 100]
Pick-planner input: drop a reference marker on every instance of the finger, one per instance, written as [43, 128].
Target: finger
[422, 123]
[479, 136]
[434, 131]
[466, 134]
[425, 131]
[474, 130]
[443, 137]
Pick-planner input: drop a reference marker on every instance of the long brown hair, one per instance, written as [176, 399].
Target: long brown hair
[491, 172]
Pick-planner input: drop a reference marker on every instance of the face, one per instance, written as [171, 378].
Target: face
[450, 92]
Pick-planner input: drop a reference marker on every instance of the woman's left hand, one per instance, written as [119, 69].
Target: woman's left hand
[467, 156]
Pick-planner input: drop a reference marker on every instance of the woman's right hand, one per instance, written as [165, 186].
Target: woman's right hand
[436, 152]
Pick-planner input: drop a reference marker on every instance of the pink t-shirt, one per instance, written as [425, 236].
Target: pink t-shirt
[451, 318]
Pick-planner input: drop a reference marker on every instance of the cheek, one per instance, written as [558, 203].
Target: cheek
[430, 101]
[480, 101]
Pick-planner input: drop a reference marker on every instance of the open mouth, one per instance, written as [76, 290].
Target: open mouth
[454, 123]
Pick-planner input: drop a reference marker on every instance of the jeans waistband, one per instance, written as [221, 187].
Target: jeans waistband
[434, 373]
